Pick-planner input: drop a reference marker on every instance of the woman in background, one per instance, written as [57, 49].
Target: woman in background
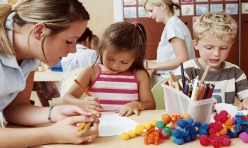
[175, 46]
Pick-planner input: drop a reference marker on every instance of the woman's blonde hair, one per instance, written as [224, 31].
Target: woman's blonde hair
[169, 3]
[56, 15]
[216, 24]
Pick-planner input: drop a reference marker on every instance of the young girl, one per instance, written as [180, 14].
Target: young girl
[120, 82]
[176, 44]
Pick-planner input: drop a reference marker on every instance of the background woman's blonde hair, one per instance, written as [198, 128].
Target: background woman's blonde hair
[169, 3]
[216, 24]
[57, 15]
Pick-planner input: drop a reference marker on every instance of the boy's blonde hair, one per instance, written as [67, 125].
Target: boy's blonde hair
[216, 24]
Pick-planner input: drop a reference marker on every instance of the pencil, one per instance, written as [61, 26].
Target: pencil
[84, 90]
[84, 126]
[183, 77]
[195, 90]
[204, 74]
[176, 84]
[175, 80]
[87, 126]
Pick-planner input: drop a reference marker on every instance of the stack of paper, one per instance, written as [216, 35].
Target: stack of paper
[113, 124]
[231, 109]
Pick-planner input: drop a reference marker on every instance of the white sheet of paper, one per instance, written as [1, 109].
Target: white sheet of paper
[113, 124]
[231, 109]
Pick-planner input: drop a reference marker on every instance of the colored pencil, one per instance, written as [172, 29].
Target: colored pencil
[84, 126]
[87, 126]
[204, 74]
[84, 90]
[175, 80]
[183, 77]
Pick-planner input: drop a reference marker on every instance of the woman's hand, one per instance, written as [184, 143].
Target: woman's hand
[149, 64]
[65, 131]
[129, 109]
[63, 111]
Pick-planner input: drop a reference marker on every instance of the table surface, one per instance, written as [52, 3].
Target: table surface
[48, 75]
[138, 142]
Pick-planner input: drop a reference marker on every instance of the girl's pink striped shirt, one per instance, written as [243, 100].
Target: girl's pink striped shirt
[114, 90]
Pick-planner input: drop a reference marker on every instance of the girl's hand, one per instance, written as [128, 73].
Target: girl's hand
[92, 103]
[243, 105]
[65, 131]
[128, 109]
[63, 111]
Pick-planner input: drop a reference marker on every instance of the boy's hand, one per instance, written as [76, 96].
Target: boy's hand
[243, 105]
[129, 109]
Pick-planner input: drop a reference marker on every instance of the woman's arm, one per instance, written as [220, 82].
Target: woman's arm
[11, 137]
[20, 111]
[181, 53]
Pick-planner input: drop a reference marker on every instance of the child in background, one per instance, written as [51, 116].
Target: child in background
[94, 42]
[214, 34]
[120, 82]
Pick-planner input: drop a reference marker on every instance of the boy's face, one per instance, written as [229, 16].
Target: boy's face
[213, 51]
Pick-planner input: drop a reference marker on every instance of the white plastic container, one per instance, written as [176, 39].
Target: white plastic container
[177, 102]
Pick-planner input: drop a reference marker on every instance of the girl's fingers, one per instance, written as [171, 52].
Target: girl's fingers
[129, 113]
[123, 112]
[136, 112]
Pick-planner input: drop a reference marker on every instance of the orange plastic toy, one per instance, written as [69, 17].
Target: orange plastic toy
[152, 136]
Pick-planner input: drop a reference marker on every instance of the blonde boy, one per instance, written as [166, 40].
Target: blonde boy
[214, 35]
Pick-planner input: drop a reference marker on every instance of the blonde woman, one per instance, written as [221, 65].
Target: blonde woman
[175, 45]
[34, 30]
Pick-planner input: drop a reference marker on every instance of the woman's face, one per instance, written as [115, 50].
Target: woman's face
[155, 12]
[63, 43]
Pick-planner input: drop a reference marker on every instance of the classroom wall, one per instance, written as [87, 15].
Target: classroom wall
[101, 14]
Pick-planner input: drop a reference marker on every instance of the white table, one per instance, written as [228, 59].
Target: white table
[48, 75]
[138, 142]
